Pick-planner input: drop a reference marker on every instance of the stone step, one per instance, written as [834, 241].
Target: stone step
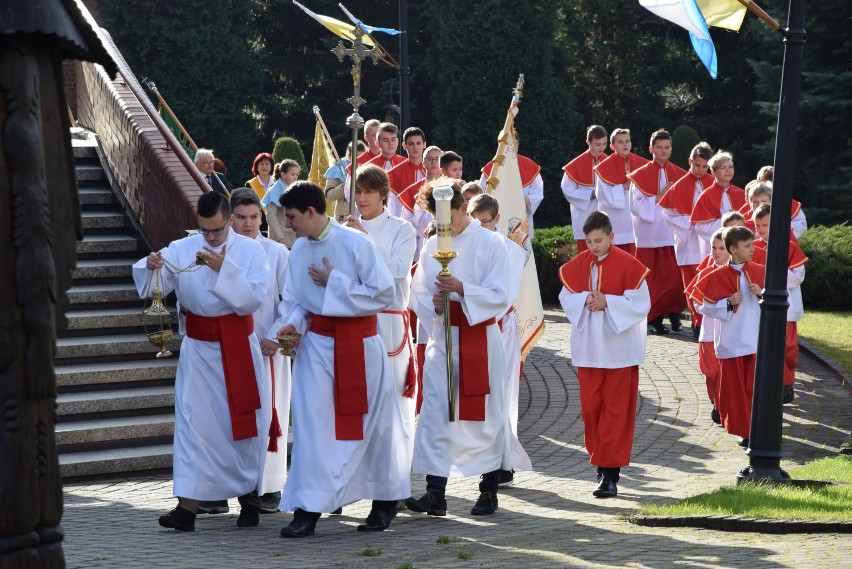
[108, 346]
[104, 293]
[106, 373]
[99, 318]
[102, 220]
[95, 196]
[105, 268]
[89, 172]
[115, 429]
[115, 400]
[114, 461]
[103, 244]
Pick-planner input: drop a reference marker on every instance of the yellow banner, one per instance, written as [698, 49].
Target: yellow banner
[321, 160]
[727, 14]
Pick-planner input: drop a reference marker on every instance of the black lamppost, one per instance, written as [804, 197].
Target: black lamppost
[764, 450]
[404, 69]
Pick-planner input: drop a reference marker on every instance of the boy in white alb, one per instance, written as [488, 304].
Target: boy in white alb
[579, 181]
[486, 209]
[613, 188]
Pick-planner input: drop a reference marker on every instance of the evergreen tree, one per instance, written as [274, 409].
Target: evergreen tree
[475, 54]
[199, 56]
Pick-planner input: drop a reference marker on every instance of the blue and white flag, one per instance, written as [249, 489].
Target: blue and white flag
[687, 14]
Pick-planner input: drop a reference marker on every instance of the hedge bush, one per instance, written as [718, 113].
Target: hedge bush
[287, 147]
[829, 269]
[552, 247]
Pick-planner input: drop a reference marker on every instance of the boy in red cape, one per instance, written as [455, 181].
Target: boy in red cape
[796, 260]
[578, 182]
[677, 204]
[606, 298]
[716, 200]
[730, 295]
[613, 188]
[654, 240]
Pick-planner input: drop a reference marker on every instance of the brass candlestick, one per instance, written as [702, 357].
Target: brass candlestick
[444, 257]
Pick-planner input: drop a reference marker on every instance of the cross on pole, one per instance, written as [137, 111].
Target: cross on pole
[358, 53]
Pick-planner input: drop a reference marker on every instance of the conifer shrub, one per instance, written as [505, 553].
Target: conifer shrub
[829, 268]
[552, 247]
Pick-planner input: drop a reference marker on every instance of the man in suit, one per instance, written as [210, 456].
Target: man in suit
[204, 162]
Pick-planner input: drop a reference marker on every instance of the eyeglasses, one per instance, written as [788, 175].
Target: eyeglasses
[217, 231]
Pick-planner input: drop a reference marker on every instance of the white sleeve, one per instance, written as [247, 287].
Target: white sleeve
[643, 206]
[799, 224]
[678, 223]
[611, 197]
[574, 306]
[626, 310]
[578, 196]
[535, 193]
[242, 288]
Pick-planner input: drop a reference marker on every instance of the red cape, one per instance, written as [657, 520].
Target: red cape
[709, 204]
[582, 169]
[529, 170]
[613, 169]
[725, 281]
[795, 256]
[401, 177]
[647, 177]
[617, 273]
[681, 196]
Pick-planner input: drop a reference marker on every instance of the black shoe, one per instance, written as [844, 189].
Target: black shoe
[378, 520]
[606, 489]
[743, 442]
[674, 319]
[507, 477]
[432, 502]
[696, 332]
[213, 507]
[789, 394]
[269, 503]
[299, 528]
[249, 516]
[337, 512]
[180, 519]
[655, 326]
[486, 505]
[715, 417]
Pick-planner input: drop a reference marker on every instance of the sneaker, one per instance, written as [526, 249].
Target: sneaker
[249, 516]
[432, 502]
[269, 502]
[486, 505]
[507, 477]
[213, 507]
[789, 394]
[179, 519]
[674, 319]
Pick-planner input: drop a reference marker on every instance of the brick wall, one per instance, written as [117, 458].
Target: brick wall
[159, 188]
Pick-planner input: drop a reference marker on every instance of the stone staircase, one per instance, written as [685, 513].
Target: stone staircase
[115, 399]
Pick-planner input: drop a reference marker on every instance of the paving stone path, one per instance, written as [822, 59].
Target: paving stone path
[547, 519]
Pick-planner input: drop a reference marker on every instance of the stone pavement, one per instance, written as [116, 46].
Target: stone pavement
[547, 519]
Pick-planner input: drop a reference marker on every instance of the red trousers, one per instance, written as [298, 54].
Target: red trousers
[791, 353]
[663, 280]
[736, 385]
[608, 407]
[629, 247]
[687, 273]
[709, 364]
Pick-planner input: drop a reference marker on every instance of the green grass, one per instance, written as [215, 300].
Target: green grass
[406, 565]
[831, 332]
[370, 552]
[770, 501]
[446, 539]
[465, 555]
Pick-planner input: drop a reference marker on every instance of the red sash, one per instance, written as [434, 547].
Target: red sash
[232, 332]
[647, 177]
[350, 370]
[582, 169]
[613, 170]
[411, 376]
[681, 196]
[529, 170]
[473, 364]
